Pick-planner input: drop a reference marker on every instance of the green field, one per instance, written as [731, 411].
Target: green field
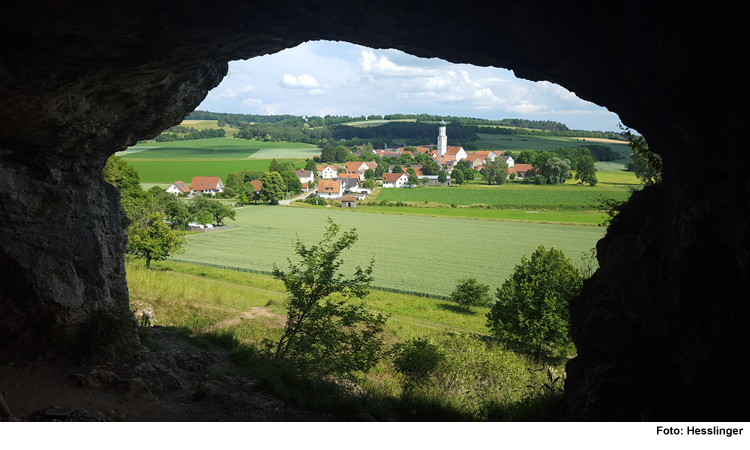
[165, 162]
[411, 253]
[517, 215]
[508, 196]
[517, 143]
[166, 171]
[201, 125]
[219, 148]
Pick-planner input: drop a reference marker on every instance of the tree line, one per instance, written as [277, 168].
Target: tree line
[203, 134]
[154, 219]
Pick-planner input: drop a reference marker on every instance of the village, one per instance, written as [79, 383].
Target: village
[355, 180]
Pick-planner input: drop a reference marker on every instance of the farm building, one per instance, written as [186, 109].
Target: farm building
[434, 180]
[178, 187]
[348, 201]
[305, 176]
[329, 189]
[395, 180]
[206, 185]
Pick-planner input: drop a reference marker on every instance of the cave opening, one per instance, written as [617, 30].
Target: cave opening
[658, 328]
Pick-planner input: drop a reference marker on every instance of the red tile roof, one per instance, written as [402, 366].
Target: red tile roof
[523, 167]
[348, 198]
[257, 184]
[391, 177]
[181, 186]
[329, 186]
[203, 183]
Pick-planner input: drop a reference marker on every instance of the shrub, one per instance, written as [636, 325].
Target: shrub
[531, 311]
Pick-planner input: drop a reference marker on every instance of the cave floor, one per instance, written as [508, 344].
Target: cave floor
[177, 383]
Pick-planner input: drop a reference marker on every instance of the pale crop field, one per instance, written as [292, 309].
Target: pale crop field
[411, 253]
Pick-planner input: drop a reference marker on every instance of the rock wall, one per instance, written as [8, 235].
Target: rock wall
[658, 327]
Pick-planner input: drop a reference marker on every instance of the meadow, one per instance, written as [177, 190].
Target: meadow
[411, 253]
[478, 379]
[224, 148]
[508, 196]
[165, 162]
[517, 143]
[166, 171]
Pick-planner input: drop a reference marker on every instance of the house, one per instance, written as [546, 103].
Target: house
[457, 152]
[475, 160]
[327, 172]
[348, 182]
[206, 185]
[522, 170]
[357, 168]
[348, 201]
[257, 185]
[446, 163]
[305, 187]
[395, 180]
[329, 189]
[305, 176]
[508, 160]
[178, 187]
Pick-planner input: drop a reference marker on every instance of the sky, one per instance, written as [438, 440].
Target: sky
[339, 78]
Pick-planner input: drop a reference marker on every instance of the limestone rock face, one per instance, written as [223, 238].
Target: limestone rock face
[658, 327]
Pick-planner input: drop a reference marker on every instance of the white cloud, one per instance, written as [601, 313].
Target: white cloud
[252, 102]
[372, 64]
[300, 82]
[526, 107]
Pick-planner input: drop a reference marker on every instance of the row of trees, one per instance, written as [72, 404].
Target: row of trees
[203, 134]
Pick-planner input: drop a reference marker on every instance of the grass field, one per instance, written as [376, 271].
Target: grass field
[510, 196]
[209, 124]
[517, 143]
[165, 162]
[519, 215]
[411, 253]
[220, 148]
[167, 171]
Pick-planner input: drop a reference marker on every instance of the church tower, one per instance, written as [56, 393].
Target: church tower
[442, 144]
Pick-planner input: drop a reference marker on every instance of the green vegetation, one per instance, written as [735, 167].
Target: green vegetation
[240, 310]
[531, 311]
[469, 293]
[167, 171]
[510, 196]
[155, 242]
[325, 334]
[390, 240]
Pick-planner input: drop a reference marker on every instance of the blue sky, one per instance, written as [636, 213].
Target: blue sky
[338, 78]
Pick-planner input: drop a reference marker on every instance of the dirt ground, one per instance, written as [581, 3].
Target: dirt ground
[178, 383]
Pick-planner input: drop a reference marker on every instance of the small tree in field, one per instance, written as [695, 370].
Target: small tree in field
[531, 311]
[470, 293]
[156, 242]
[324, 333]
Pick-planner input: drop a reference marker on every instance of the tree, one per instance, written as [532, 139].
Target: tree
[457, 176]
[646, 164]
[470, 293]
[531, 311]
[397, 169]
[274, 166]
[442, 176]
[469, 174]
[369, 184]
[554, 170]
[586, 171]
[273, 188]
[156, 242]
[430, 168]
[325, 334]
[369, 174]
[291, 182]
[495, 172]
[341, 153]
[310, 165]
[413, 179]
[328, 153]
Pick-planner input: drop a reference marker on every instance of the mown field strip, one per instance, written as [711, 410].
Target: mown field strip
[411, 253]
